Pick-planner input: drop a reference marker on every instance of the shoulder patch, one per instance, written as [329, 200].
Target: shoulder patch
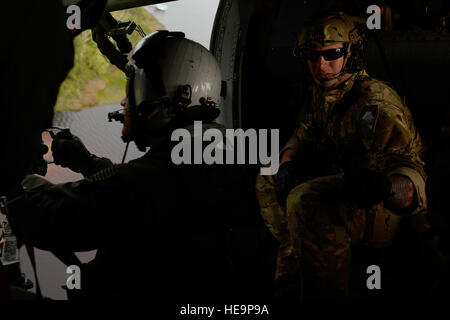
[103, 174]
[367, 124]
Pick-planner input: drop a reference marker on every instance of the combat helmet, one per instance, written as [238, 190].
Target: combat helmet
[330, 28]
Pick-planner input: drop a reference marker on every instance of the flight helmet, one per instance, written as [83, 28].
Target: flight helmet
[170, 78]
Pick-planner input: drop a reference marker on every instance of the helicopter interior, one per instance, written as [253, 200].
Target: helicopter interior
[253, 42]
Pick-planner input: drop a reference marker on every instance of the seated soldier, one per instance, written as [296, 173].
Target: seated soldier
[181, 234]
[355, 163]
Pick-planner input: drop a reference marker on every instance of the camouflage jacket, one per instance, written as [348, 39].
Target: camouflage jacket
[362, 123]
[368, 126]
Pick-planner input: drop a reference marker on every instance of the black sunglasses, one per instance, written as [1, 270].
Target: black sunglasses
[328, 55]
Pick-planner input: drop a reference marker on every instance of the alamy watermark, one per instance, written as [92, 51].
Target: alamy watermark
[374, 280]
[74, 280]
[74, 20]
[374, 20]
[235, 147]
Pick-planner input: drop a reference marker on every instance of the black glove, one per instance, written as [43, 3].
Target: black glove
[367, 187]
[286, 180]
[39, 165]
[69, 151]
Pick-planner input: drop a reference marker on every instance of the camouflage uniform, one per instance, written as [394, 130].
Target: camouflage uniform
[366, 126]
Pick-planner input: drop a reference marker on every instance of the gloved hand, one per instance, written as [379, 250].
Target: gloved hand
[69, 151]
[286, 180]
[367, 187]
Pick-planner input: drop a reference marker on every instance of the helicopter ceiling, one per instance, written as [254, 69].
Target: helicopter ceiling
[115, 5]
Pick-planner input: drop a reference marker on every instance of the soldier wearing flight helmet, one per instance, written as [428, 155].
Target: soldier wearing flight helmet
[162, 231]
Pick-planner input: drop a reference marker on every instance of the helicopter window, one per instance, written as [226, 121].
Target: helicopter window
[194, 17]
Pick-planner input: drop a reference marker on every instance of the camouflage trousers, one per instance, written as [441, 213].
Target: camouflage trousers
[316, 231]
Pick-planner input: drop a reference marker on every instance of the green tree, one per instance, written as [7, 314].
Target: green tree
[93, 80]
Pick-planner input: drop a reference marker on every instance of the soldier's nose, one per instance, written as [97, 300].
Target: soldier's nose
[322, 62]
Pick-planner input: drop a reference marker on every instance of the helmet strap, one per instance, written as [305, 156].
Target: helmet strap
[348, 48]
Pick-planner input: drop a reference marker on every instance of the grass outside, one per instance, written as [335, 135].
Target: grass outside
[94, 80]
